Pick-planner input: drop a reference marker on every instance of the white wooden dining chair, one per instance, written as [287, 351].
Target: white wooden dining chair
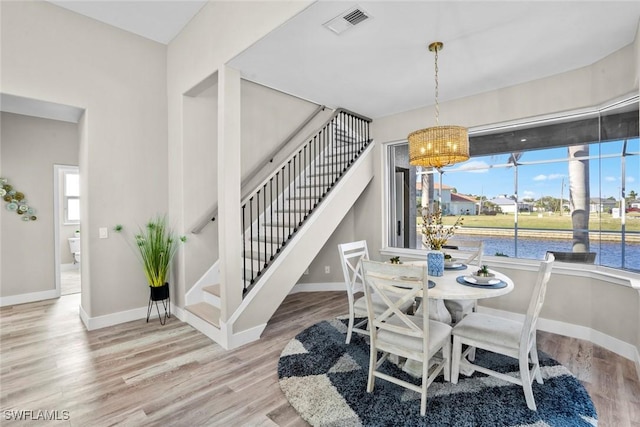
[351, 255]
[509, 337]
[395, 332]
[466, 251]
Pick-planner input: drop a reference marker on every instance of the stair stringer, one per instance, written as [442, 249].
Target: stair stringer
[247, 323]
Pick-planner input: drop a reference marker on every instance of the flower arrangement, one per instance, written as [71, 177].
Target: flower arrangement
[434, 231]
[156, 245]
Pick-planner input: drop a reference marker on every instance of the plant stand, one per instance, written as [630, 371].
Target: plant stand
[161, 294]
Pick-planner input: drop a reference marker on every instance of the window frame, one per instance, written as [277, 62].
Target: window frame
[589, 114]
[66, 198]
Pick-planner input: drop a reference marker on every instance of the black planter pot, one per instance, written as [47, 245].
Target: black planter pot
[159, 293]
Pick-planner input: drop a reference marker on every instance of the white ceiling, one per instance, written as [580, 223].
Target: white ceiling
[382, 66]
[160, 21]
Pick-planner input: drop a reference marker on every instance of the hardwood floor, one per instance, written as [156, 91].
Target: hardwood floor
[70, 282]
[142, 373]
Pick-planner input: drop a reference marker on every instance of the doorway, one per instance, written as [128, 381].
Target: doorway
[68, 255]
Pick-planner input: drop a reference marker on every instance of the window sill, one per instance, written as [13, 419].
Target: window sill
[608, 274]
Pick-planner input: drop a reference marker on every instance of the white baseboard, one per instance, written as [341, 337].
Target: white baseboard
[318, 287]
[624, 349]
[99, 322]
[30, 297]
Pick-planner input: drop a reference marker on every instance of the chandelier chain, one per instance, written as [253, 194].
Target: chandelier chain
[437, 104]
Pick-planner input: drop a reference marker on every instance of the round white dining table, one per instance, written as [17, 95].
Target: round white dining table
[447, 287]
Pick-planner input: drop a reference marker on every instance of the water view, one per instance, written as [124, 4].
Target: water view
[607, 253]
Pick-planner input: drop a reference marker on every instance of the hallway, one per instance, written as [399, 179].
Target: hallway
[70, 282]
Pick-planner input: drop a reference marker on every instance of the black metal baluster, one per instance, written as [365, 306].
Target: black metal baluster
[297, 179]
[334, 153]
[345, 147]
[351, 141]
[277, 210]
[271, 216]
[251, 235]
[244, 251]
[288, 210]
[284, 213]
[258, 230]
[328, 167]
[322, 158]
[315, 172]
[264, 210]
[305, 189]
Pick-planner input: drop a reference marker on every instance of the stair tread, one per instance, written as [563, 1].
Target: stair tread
[206, 312]
[212, 289]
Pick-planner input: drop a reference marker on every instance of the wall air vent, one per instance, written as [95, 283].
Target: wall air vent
[346, 20]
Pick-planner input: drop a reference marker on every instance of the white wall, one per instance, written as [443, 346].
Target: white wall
[30, 147]
[220, 31]
[51, 54]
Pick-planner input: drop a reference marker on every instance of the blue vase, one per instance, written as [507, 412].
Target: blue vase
[435, 262]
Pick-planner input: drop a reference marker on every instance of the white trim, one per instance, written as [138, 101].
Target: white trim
[610, 275]
[245, 337]
[557, 117]
[318, 287]
[615, 345]
[217, 335]
[58, 169]
[29, 297]
[178, 312]
[83, 316]
[99, 322]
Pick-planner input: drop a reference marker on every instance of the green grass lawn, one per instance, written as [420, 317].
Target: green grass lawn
[547, 222]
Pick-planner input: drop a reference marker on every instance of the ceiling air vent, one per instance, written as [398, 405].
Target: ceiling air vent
[346, 20]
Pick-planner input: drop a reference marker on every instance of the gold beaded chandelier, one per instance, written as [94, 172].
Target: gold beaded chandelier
[438, 146]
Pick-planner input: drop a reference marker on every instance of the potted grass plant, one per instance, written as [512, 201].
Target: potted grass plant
[156, 244]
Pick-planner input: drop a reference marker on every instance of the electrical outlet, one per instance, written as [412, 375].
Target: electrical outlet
[327, 269]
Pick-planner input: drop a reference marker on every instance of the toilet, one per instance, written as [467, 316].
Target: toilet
[74, 248]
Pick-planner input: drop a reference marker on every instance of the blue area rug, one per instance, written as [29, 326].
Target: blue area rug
[325, 380]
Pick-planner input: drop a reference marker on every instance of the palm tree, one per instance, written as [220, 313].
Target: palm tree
[579, 195]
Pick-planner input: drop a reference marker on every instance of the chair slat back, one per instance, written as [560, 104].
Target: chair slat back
[351, 254]
[535, 305]
[471, 249]
[396, 284]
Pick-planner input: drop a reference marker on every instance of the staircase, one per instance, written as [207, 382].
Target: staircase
[286, 221]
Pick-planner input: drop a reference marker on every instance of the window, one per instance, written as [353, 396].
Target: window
[71, 197]
[565, 184]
